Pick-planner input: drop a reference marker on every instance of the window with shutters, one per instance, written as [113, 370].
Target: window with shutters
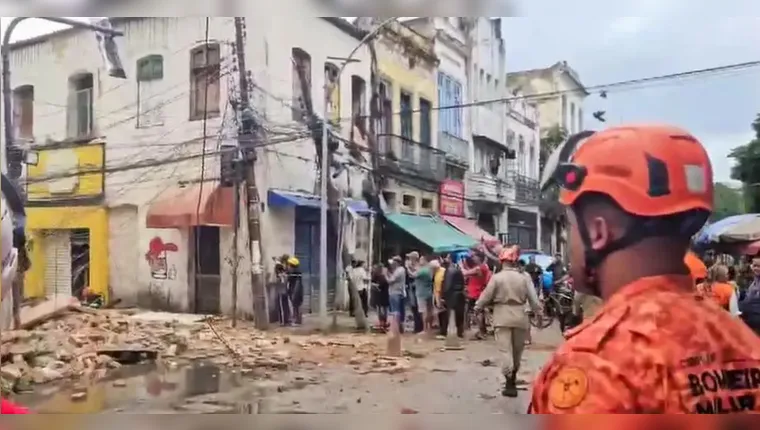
[449, 94]
[359, 103]
[301, 68]
[385, 126]
[23, 112]
[521, 155]
[150, 73]
[79, 108]
[407, 127]
[205, 67]
[426, 127]
[332, 93]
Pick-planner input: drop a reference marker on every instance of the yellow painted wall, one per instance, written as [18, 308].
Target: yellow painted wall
[93, 218]
[86, 158]
[421, 82]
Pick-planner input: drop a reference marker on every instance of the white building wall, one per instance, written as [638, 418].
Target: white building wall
[551, 111]
[454, 64]
[523, 120]
[48, 63]
[487, 79]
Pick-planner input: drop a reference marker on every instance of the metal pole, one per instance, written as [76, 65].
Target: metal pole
[324, 177]
[236, 225]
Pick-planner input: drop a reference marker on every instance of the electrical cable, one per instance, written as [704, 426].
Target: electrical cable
[599, 88]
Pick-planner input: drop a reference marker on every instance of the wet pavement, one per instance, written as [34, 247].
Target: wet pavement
[433, 381]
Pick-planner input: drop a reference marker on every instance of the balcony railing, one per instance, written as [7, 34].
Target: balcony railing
[527, 190]
[488, 188]
[457, 150]
[403, 155]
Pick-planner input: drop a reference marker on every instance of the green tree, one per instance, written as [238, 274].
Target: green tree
[552, 139]
[549, 203]
[726, 202]
[747, 168]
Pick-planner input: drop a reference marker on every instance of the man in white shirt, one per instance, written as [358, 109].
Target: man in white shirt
[359, 276]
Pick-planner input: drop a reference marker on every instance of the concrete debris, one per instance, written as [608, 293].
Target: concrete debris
[75, 345]
[385, 364]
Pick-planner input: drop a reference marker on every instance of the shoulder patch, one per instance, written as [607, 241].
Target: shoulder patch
[568, 388]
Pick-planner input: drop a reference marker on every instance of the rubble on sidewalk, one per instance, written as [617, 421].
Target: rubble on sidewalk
[68, 343]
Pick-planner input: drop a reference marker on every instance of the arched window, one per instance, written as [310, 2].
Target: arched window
[332, 93]
[79, 110]
[23, 112]
[205, 67]
[301, 67]
[150, 73]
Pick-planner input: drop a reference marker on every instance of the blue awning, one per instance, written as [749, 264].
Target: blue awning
[281, 198]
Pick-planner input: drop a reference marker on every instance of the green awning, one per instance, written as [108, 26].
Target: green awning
[433, 232]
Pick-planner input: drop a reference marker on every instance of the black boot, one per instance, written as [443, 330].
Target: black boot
[510, 389]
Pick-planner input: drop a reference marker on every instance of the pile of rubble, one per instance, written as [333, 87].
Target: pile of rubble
[77, 344]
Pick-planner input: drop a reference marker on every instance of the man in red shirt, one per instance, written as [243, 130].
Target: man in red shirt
[477, 274]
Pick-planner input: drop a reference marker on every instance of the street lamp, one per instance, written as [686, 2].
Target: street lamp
[325, 165]
[13, 153]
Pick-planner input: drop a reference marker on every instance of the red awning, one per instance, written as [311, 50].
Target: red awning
[177, 207]
[470, 228]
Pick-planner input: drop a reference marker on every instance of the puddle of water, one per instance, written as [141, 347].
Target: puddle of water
[137, 388]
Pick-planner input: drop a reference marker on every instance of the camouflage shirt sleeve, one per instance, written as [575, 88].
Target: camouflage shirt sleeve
[583, 383]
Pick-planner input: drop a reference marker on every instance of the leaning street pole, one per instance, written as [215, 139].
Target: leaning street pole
[325, 175]
[245, 140]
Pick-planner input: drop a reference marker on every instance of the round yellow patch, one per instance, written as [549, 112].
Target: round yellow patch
[568, 389]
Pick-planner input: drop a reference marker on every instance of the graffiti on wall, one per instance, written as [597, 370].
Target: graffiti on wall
[158, 261]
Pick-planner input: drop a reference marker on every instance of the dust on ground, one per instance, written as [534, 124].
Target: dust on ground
[147, 362]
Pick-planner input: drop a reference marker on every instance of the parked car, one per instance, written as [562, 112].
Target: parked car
[543, 260]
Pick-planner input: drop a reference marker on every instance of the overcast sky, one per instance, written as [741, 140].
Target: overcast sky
[657, 37]
[660, 37]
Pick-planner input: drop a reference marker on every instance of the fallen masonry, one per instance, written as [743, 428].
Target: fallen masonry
[83, 345]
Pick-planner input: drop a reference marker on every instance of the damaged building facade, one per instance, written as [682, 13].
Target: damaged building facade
[128, 170]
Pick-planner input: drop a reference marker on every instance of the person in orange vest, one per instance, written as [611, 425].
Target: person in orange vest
[718, 289]
[636, 195]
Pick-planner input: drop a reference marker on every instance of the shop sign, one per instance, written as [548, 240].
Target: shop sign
[451, 198]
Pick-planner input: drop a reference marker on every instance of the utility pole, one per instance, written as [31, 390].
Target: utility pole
[238, 165]
[245, 140]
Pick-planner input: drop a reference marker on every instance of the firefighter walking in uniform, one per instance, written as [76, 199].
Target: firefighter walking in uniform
[509, 290]
[636, 195]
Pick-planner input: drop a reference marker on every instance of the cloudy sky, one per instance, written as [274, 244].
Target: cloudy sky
[654, 37]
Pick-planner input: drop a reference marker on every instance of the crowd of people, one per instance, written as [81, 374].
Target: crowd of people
[463, 285]
[427, 287]
[733, 284]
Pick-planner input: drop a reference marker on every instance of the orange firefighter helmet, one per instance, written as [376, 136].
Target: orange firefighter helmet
[649, 170]
[509, 254]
